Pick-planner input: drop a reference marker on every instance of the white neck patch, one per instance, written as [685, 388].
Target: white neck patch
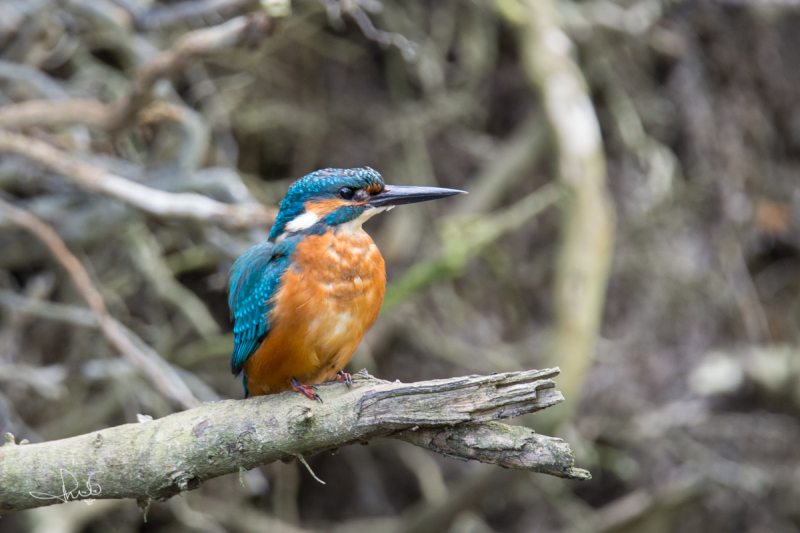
[299, 223]
[304, 221]
[308, 219]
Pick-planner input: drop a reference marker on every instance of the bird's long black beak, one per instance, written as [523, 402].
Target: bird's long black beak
[402, 194]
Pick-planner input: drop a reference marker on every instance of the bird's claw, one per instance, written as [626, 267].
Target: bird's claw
[344, 376]
[306, 390]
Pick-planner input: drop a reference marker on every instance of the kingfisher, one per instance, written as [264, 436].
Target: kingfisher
[302, 300]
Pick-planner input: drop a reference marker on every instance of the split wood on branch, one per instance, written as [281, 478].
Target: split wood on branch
[161, 458]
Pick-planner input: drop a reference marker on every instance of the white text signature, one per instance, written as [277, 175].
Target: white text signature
[92, 489]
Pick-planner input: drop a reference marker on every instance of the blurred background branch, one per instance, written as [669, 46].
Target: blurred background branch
[154, 201]
[159, 373]
[587, 226]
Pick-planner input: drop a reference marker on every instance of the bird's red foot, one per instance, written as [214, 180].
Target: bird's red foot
[344, 376]
[306, 390]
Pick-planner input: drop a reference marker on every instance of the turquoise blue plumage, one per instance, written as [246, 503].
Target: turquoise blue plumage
[254, 278]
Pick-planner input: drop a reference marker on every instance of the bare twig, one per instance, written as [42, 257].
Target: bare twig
[587, 234]
[756, 3]
[162, 16]
[153, 201]
[48, 88]
[58, 113]
[467, 494]
[358, 11]
[744, 292]
[196, 133]
[159, 459]
[161, 375]
[43, 83]
[147, 255]
[241, 518]
[465, 237]
[505, 170]
[193, 45]
[48, 381]
[64, 313]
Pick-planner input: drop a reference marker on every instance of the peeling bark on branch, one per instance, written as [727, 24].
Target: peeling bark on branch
[159, 459]
[495, 443]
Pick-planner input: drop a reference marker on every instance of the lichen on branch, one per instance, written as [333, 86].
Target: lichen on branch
[158, 459]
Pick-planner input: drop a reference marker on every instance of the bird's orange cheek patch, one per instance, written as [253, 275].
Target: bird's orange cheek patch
[325, 207]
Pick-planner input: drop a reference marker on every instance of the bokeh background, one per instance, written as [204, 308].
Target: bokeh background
[633, 217]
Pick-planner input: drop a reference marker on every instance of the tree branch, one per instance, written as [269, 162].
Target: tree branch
[154, 201]
[156, 16]
[159, 459]
[464, 237]
[587, 234]
[160, 374]
[196, 44]
[500, 444]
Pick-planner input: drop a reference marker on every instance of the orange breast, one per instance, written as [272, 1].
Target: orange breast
[326, 302]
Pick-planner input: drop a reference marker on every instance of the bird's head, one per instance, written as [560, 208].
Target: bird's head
[334, 197]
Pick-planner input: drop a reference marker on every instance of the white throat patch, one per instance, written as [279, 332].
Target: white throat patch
[355, 224]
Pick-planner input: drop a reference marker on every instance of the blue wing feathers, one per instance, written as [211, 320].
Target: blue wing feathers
[254, 280]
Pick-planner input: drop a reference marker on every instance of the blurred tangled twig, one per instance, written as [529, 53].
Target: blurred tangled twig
[196, 44]
[160, 374]
[153, 201]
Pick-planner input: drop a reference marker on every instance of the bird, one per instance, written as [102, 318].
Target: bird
[302, 300]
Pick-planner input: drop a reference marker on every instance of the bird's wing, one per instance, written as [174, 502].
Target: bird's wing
[254, 279]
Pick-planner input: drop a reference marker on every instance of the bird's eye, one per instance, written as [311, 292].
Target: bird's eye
[347, 193]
